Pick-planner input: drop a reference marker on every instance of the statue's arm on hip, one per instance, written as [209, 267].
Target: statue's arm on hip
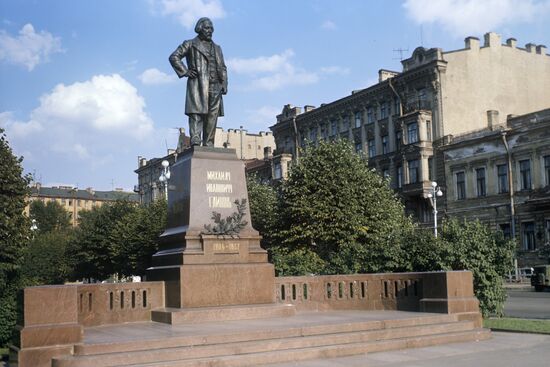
[177, 64]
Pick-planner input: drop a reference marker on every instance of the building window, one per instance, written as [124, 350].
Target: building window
[506, 230]
[525, 174]
[422, 99]
[333, 127]
[412, 133]
[370, 115]
[460, 186]
[480, 180]
[395, 106]
[278, 174]
[385, 173]
[528, 236]
[547, 169]
[383, 110]
[430, 169]
[313, 134]
[399, 177]
[385, 145]
[398, 139]
[413, 171]
[358, 119]
[372, 148]
[358, 147]
[345, 123]
[502, 173]
[547, 230]
[70, 202]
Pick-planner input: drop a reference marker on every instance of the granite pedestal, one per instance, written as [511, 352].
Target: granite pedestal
[203, 268]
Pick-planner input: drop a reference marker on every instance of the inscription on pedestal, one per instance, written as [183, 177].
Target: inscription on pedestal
[219, 188]
[226, 247]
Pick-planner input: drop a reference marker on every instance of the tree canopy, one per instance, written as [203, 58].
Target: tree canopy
[14, 233]
[50, 216]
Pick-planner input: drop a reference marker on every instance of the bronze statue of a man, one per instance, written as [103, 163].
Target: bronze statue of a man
[206, 82]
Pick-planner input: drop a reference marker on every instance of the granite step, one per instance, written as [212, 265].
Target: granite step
[323, 352]
[221, 349]
[178, 316]
[257, 334]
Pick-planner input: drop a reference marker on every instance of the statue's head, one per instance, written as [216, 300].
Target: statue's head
[204, 29]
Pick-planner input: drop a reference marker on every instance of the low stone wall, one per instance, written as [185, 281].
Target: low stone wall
[446, 292]
[54, 316]
[114, 303]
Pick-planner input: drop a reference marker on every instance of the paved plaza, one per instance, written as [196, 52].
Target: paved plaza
[503, 350]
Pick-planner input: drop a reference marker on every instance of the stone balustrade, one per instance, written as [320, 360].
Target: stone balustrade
[113, 303]
[448, 292]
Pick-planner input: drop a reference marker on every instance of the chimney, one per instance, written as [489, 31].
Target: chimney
[541, 49]
[492, 39]
[530, 47]
[143, 162]
[267, 153]
[511, 42]
[37, 185]
[471, 43]
[492, 119]
[308, 108]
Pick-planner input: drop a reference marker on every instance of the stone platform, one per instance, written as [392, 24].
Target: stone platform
[306, 335]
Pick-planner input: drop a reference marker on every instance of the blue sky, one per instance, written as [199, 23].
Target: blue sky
[86, 87]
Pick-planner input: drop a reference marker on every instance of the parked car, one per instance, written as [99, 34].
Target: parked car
[526, 272]
[523, 274]
[541, 278]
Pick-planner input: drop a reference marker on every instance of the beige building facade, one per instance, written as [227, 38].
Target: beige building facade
[400, 122]
[75, 200]
[501, 176]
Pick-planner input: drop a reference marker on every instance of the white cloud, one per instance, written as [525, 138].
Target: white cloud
[278, 71]
[263, 116]
[329, 25]
[28, 48]
[154, 76]
[187, 12]
[262, 64]
[467, 17]
[17, 128]
[83, 120]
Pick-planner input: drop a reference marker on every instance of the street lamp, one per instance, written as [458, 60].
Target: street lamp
[165, 176]
[34, 227]
[435, 191]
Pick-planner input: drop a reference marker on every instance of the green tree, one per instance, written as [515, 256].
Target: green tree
[264, 210]
[134, 238]
[14, 234]
[50, 216]
[336, 206]
[45, 259]
[473, 246]
[92, 250]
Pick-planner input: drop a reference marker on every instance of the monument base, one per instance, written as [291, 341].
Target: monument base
[211, 285]
[178, 316]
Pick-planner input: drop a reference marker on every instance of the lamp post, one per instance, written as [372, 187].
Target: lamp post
[435, 191]
[165, 176]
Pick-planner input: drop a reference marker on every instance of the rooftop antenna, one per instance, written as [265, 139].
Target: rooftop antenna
[400, 51]
[112, 184]
[421, 36]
